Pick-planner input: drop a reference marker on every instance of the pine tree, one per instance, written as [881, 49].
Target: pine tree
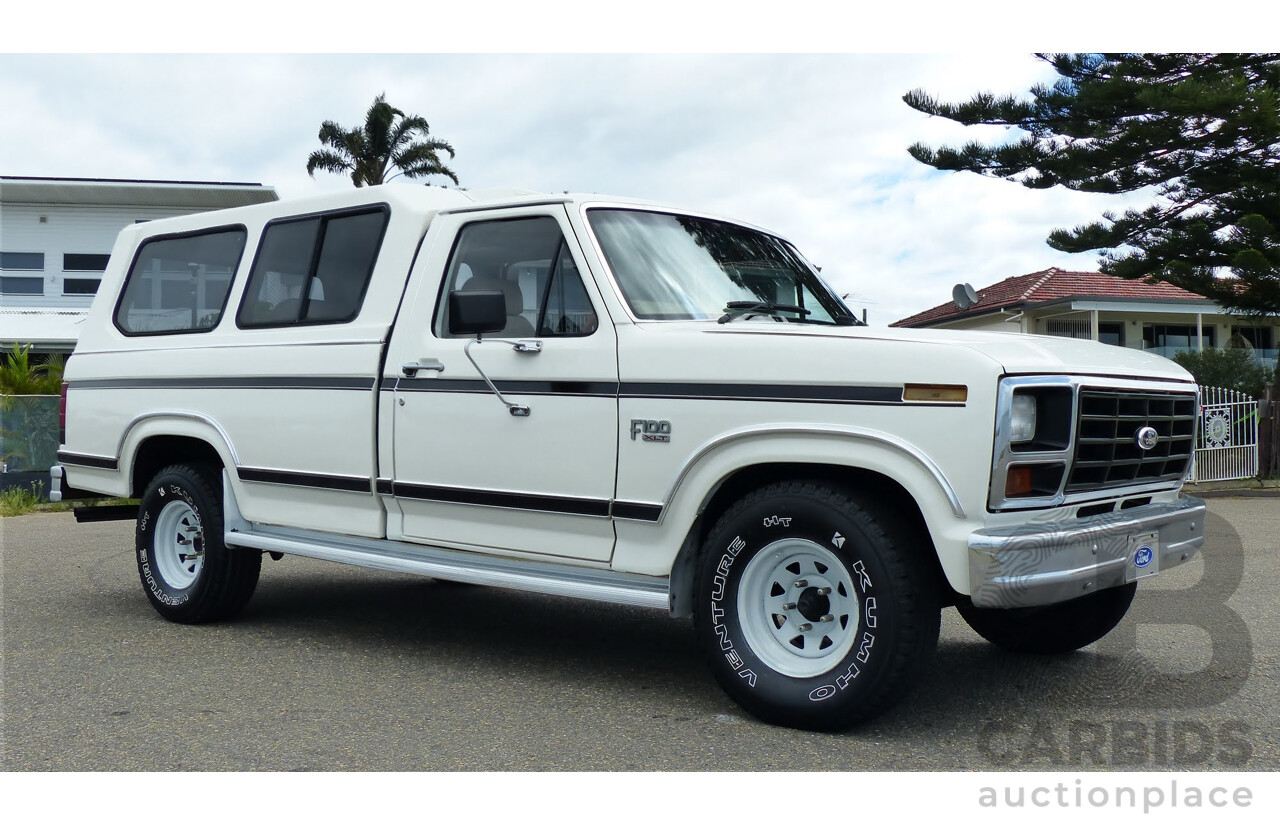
[1202, 131]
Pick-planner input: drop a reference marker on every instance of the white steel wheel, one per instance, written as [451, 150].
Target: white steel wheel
[186, 568]
[813, 607]
[178, 545]
[798, 607]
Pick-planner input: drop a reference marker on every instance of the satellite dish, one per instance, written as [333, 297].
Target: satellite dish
[964, 295]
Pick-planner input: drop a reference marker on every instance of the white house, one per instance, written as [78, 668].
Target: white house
[1157, 317]
[56, 235]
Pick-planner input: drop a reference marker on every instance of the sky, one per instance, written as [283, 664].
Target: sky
[810, 146]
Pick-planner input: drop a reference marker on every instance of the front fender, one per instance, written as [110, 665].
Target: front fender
[652, 548]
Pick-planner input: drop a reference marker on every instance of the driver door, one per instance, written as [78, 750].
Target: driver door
[469, 474]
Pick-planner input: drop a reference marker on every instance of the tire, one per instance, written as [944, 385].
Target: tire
[189, 575]
[814, 608]
[1053, 628]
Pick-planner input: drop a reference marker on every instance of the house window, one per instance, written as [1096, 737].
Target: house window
[1175, 336]
[80, 286]
[76, 262]
[10, 285]
[22, 261]
[1111, 332]
[1258, 337]
[1068, 328]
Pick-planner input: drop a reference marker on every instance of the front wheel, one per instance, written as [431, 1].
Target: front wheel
[814, 608]
[189, 575]
[1052, 628]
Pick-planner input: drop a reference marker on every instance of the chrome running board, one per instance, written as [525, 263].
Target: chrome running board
[438, 563]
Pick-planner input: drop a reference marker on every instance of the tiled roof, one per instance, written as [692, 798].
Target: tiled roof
[1050, 285]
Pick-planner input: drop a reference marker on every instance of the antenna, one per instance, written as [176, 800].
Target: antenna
[964, 295]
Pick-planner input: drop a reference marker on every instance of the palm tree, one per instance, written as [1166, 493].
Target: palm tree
[388, 139]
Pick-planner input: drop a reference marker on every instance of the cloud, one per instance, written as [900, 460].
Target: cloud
[811, 146]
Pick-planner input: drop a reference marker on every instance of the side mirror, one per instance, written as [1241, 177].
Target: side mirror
[477, 312]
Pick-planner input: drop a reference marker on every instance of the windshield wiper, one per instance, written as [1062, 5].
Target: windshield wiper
[737, 309]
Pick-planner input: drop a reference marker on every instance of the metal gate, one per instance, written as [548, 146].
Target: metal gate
[1227, 437]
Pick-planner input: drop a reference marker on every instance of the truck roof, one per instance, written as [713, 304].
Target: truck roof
[424, 202]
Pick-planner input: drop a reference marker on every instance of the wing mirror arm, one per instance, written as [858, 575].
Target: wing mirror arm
[480, 311]
[517, 410]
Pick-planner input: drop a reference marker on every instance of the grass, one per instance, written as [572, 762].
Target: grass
[19, 501]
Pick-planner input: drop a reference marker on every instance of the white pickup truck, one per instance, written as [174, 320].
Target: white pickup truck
[616, 400]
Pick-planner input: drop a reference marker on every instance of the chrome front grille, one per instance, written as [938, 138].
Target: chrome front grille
[1107, 453]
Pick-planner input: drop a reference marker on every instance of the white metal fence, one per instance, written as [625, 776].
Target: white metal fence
[1227, 436]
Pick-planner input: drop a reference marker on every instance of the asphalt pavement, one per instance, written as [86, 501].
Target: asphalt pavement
[345, 669]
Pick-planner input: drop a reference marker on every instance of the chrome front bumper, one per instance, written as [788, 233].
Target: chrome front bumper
[1049, 562]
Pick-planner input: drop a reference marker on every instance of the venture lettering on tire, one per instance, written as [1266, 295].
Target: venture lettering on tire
[189, 575]
[813, 610]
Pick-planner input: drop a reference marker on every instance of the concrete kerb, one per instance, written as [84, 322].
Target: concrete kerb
[1242, 488]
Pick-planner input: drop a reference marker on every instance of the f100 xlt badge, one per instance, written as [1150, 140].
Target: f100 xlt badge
[650, 430]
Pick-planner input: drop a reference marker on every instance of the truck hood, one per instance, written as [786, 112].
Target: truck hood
[1016, 353]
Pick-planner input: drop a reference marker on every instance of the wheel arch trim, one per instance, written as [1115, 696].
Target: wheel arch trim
[863, 434]
[173, 423]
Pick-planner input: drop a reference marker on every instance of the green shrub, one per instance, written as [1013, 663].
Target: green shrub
[1235, 369]
[18, 376]
[16, 501]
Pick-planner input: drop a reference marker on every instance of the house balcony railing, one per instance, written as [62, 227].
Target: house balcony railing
[1265, 357]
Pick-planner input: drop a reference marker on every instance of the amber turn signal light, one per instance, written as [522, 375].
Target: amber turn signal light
[945, 393]
[1017, 482]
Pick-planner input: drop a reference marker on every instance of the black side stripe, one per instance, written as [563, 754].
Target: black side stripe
[603, 508]
[493, 498]
[80, 460]
[815, 393]
[637, 511]
[354, 484]
[282, 382]
[595, 389]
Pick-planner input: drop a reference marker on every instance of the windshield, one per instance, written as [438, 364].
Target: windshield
[674, 267]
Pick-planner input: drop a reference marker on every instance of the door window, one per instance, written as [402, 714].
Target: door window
[528, 261]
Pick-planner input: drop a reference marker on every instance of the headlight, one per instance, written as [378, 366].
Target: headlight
[1022, 418]
[1036, 417]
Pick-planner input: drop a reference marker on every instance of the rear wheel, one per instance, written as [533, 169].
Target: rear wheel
[189, 575]
[813, 607]
[1052, 628]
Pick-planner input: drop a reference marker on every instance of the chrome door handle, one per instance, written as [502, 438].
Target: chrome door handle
[411, 369]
